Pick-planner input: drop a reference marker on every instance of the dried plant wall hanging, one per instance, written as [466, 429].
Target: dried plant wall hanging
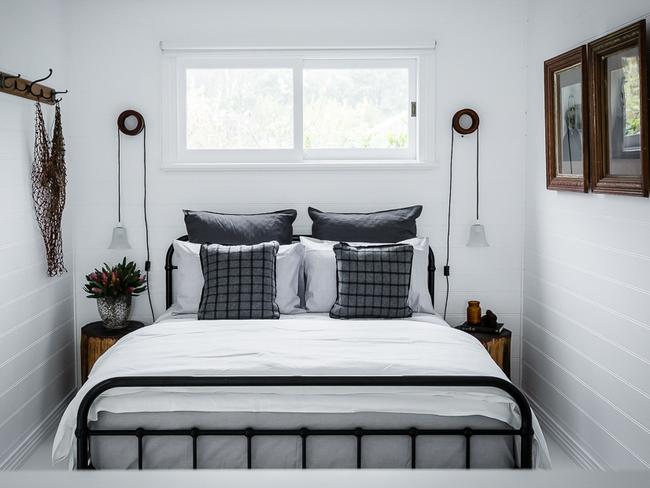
[48, 188]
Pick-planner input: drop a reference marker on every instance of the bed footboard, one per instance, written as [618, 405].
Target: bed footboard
[83, 433]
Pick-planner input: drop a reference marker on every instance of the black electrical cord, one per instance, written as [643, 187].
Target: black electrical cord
[141, 127]
[119, 176]
[446, 267]
[477, 174]
[147, 263]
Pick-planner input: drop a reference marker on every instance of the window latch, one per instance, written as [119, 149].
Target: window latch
[414, 110]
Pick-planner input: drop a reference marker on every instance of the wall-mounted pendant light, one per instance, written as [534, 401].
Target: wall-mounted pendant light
[130, 123]
[464, 122]
[119, 239]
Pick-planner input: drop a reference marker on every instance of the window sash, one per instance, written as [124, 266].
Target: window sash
[233, 155]
[358, 154]
[419, 62]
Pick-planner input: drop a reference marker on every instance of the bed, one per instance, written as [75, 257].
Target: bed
[304, 391]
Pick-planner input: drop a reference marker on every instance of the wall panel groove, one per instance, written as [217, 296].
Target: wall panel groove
[535, 355]
[570, 352]
[596, 436]
[565, 303]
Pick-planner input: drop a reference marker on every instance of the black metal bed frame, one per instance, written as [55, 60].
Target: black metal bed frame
[84, 433]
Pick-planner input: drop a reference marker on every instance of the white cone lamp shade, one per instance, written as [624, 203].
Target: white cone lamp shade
[120, 239]
[477, 236]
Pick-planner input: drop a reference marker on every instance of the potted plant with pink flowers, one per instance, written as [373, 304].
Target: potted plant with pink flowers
[113, 287]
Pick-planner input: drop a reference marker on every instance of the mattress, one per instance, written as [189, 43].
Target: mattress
[307, 345]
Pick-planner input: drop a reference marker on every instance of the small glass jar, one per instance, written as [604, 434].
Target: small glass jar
[474, 312]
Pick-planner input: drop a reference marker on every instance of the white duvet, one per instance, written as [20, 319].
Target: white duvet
[310, 345]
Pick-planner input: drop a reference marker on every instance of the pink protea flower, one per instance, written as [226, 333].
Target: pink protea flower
[92, 277]
[104, 278]
[141, 279]
[96, 290]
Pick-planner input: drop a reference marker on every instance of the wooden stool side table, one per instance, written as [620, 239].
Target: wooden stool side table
[97, 339]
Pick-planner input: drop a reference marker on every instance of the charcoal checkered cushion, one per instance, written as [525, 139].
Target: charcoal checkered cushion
[372, 281]
[239, 282]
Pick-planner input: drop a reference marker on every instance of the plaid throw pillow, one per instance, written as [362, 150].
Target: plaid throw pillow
[372, 281]
[239, 282]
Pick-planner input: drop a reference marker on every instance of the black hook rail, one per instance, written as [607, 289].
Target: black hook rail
[32, 90]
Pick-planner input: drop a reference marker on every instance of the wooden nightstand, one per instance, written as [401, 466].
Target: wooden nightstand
[498, 345]
[97, 339]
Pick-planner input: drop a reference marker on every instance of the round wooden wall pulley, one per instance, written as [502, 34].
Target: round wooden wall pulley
[465, 121]
[123, 126]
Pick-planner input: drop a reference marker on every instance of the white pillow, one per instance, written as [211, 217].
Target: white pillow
[320, 274]
[188, 279]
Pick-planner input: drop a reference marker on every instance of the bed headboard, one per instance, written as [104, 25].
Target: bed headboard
[170, 267]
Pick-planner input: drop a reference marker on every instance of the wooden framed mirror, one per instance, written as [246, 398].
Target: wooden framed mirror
[567, 121]
[619, 107]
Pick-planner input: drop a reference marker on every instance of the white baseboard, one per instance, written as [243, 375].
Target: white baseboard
[578, 453]
[26, 447]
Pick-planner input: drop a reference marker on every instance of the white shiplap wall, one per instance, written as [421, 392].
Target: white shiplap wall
[126, 70]
[586, 314]
[36, 312]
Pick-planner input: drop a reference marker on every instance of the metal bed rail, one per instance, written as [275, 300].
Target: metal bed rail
[83, 433]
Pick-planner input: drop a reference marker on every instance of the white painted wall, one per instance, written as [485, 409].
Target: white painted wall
[115, 64]
[36, 312]
[586, 318]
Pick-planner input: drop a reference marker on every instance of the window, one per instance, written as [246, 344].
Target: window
[244, 108]
[279, 106]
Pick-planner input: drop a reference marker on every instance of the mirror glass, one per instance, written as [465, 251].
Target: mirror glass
[624, 112]
[465, 121]
[569, 126]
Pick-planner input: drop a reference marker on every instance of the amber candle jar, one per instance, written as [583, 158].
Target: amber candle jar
[474, 312]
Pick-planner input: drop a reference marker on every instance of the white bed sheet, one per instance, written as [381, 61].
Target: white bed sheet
[305, 344]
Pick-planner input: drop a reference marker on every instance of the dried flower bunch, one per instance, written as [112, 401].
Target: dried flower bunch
[123, 279]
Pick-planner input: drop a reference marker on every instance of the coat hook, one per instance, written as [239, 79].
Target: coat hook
[53, 94]
[38, 95]
[15, 78]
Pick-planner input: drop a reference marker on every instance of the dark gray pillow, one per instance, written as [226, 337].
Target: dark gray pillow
[238, 282]
[236, 229]
[372, 281]
[384, 226]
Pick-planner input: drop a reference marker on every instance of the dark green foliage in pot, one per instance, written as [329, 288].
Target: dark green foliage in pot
[123, 279]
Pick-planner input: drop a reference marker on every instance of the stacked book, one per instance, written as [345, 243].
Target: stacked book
[481, 328]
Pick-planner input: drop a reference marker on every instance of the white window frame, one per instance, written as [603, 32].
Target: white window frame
[177, 59]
